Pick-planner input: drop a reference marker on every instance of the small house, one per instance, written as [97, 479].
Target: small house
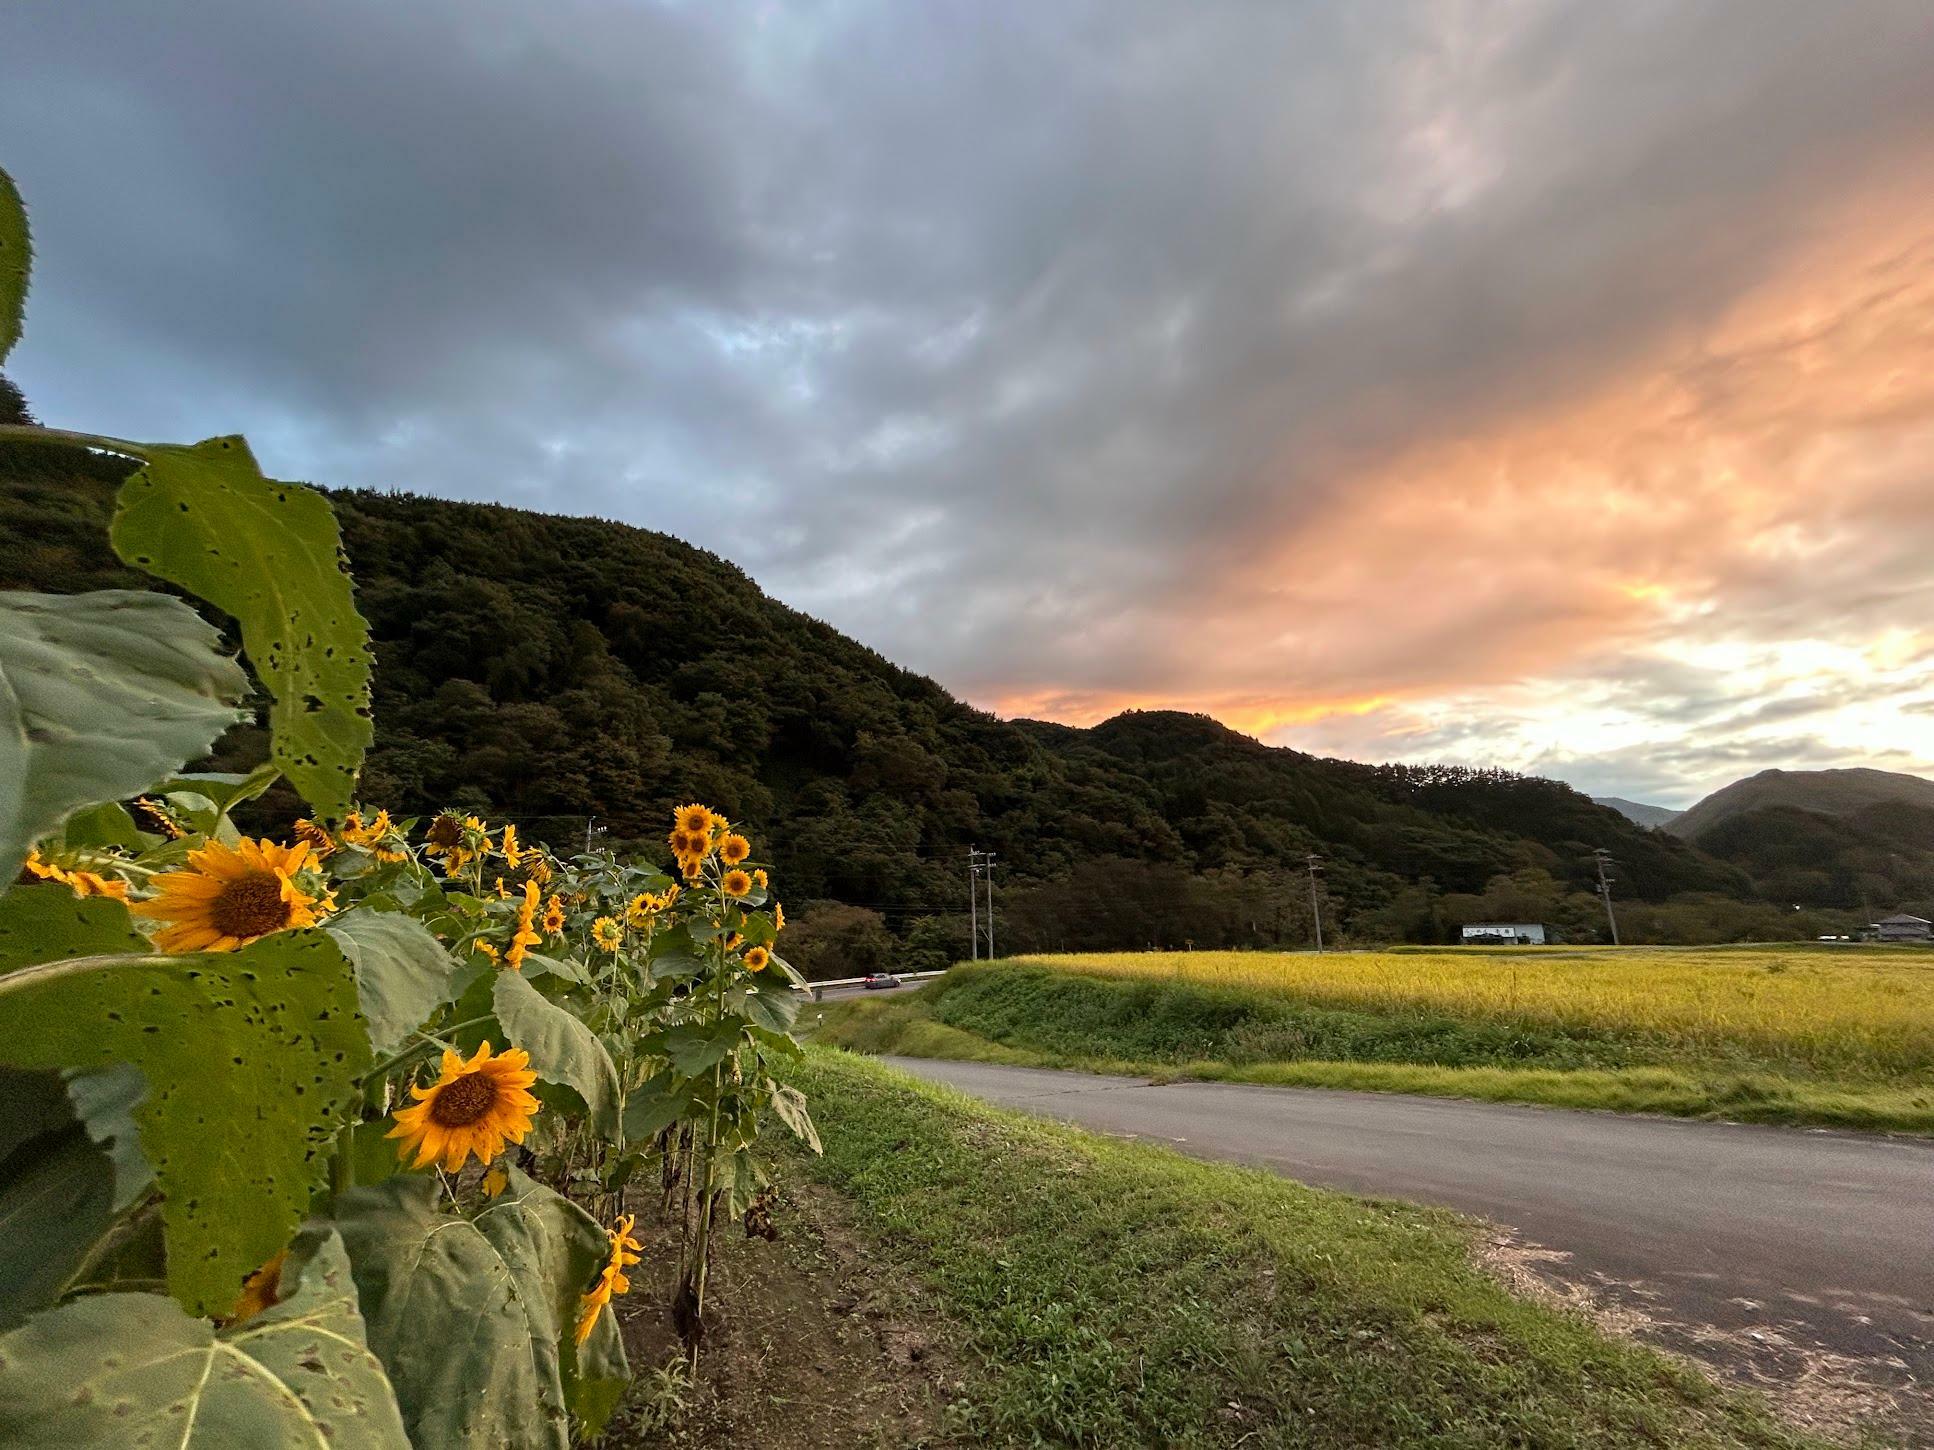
[1902, 927]
[1505, 933]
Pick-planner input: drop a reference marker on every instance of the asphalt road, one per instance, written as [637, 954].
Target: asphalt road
[1769, 1252]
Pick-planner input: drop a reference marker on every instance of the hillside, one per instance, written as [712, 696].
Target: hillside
[1823, 792]
[637, 670]
[1651, 817]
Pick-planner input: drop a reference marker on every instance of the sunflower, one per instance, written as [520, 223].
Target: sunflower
[759, 878]
[445, 834]
[692, 866]
[554, 916]
[156, 812]
[525, 937]
[684, 843]
[756, 959]
[315, 837]
[261, 1289]
[607, 933]
[539, 869]
[734, 849]
[496, 1180]
[486, 949]
[695, 820]
[472, 1107]
[735, 883]
[513, 853]
[503, 891]
[611, 1278]
[778, 917]
[232, 896]
[81, 883]
[643, 907]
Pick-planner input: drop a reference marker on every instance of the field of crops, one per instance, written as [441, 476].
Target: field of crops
[1860, 1011]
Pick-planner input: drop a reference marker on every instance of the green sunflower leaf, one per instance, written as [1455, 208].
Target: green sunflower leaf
[403, 974]
[205, 518]
[471, 1316]
[562, 1049]
[274, 1026]
[132, 1369]
[101, 696]
[16, 258]
[50, 924]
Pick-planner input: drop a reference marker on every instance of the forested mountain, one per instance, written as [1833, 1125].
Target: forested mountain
[551, 669]
[1854, 839]
[1823, 792]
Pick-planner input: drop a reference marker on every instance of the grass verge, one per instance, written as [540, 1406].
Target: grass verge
[1116, 1294]
[1042, 1016]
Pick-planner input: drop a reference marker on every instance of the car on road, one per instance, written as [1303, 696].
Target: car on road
[880, 982]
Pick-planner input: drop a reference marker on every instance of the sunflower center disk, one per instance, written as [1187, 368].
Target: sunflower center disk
[463, 1101]
[250, 906]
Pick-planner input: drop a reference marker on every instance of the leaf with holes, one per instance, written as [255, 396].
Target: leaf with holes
[16, 257]
[132, 1369]
[101, 695]
[469, 1315]
[50, 923]
[270, 554]
[272, 1028]
[403, 974]
[563, 1050]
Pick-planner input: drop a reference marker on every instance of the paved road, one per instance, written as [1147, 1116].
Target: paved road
[1771, 1252]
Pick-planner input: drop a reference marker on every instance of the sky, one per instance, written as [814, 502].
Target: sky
[1527, 384]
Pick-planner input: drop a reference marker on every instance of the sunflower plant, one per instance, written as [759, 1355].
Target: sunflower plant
[301, 1100]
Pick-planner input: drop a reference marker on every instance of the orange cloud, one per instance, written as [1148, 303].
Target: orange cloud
[1767, 475]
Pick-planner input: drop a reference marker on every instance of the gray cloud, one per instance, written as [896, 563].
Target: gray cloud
[989, 332]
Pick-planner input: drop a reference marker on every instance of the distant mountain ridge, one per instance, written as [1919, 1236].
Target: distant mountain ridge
[1637, 812]
[1826, 792]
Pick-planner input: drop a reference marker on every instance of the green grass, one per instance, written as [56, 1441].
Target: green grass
[1118, 1294]
[1054, 1015]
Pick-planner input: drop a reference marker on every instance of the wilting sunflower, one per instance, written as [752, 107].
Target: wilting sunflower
[81, 883]
[611, 1279]
[734, 849]
[525, 937]
[315, 837]
[735, 883]
[261, 1289]
[695, 820]
[756, 959]
[539, 869]
[445, 834]
[472, 1107]
[157, 813]
[513, 853]
[607, 933]
[231, 897]
[554, 916]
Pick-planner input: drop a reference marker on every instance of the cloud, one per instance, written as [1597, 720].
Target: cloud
[1334, 371]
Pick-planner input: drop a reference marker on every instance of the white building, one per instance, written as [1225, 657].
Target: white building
[1505, 933]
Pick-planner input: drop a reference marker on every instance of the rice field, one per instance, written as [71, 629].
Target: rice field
[1865, 1012]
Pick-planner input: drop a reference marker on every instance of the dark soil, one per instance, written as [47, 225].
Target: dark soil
[809, 1342]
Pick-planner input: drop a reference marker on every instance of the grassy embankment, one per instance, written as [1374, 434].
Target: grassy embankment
[1112, 1293]
[1840, 1037]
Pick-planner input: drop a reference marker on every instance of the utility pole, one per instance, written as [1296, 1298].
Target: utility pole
[990, 906]
[1316, 906]
[973, 901]
[1603, 858]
